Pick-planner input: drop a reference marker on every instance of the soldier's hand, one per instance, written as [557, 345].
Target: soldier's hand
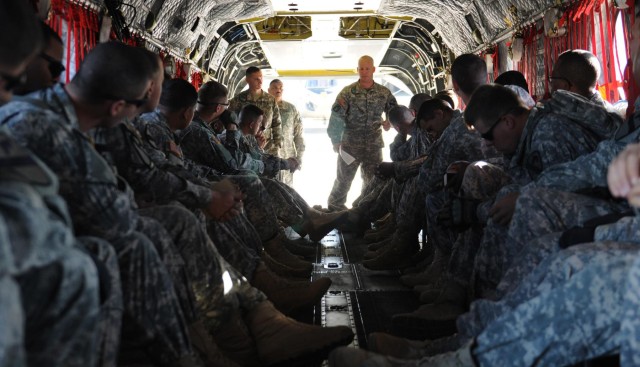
[386, 125]
[336, 147]
[624, 172]
[293, 164]
[226, 201]
[385, 170]
[502, 211]
[262, 141]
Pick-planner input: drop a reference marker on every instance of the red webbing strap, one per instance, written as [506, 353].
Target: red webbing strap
[603, 49]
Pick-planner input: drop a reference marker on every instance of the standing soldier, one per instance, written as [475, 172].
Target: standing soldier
[256, 96]
[293, 142]
[354, 129]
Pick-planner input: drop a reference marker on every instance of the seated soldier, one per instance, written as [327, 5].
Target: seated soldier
[245, 145]
[578, 71]
[49, 291]
[159, 191]
[602, 277]
[44, 70]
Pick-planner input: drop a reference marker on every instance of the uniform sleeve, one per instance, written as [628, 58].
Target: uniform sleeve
[248, 157]
[206, 150]
[407, 169]
[626, 229]
[87, 184]
[400, 149]
[149, 182]
[298, 139]
[276, 125]
[337, 119]
[587, 171]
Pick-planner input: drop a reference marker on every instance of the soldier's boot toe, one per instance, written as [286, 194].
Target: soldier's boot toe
[376, 246]
[301, 247]
[282, 340]
[277, 250]
[319, 224]
[289, 296]
[398, 255]
[284, 270]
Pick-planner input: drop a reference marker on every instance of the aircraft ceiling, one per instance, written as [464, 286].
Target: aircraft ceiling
[222, 37]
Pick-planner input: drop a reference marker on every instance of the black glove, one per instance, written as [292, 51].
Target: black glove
[576, 235]
[458, 214]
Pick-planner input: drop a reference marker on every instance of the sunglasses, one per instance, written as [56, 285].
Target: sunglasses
[55, 67]
[13, 81]
[488, 135]
[551, 78]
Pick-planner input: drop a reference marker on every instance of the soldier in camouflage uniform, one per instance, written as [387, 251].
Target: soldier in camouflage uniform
[96, 205]
[354, 128]
[292, 140]
[243, 143]
[49, 291]
[552, 134]
[256, 96]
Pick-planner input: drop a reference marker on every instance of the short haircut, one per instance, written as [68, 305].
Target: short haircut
[20, 34]
[399, 114]
[48, 34]
[490, 102]
[178, 94]
[469, 72]
[249, 114]
[417, 100]
[212, 92]
[227, 117]
[251, 70]
[428, 109]
[113, 70]
[581, 67]
[445, 96]
[154, 60]
[513, 77]
[274, 81]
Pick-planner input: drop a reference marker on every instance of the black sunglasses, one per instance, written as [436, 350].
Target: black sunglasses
[13, 81]
[488, 135]
[55, 67]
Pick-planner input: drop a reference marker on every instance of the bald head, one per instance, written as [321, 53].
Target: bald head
[577, 71]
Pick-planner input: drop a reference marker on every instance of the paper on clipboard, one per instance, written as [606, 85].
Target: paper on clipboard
[346, 157]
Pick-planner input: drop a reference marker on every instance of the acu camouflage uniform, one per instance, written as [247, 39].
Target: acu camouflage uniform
[49, 291]
[247, 152]
[292, 140]
[565, 128]
[272, 120]
[263, 205]
[355, 122]
[48, 125]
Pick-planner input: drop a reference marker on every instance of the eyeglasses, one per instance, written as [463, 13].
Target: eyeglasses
[225, 105]
[488, 135]
[551, 78]
[13, 81]
[55, 67]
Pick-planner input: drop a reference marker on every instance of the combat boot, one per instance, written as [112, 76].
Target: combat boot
[347, 357]
[207, 348]
[276, 249]
[318, 224]
[284, 270]
[286, 295]
[398, 255]
[281, 340]
[379, 245]
[431, 274]
[235, 341]
[380, 234]
[190, 361]
[301, 247]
